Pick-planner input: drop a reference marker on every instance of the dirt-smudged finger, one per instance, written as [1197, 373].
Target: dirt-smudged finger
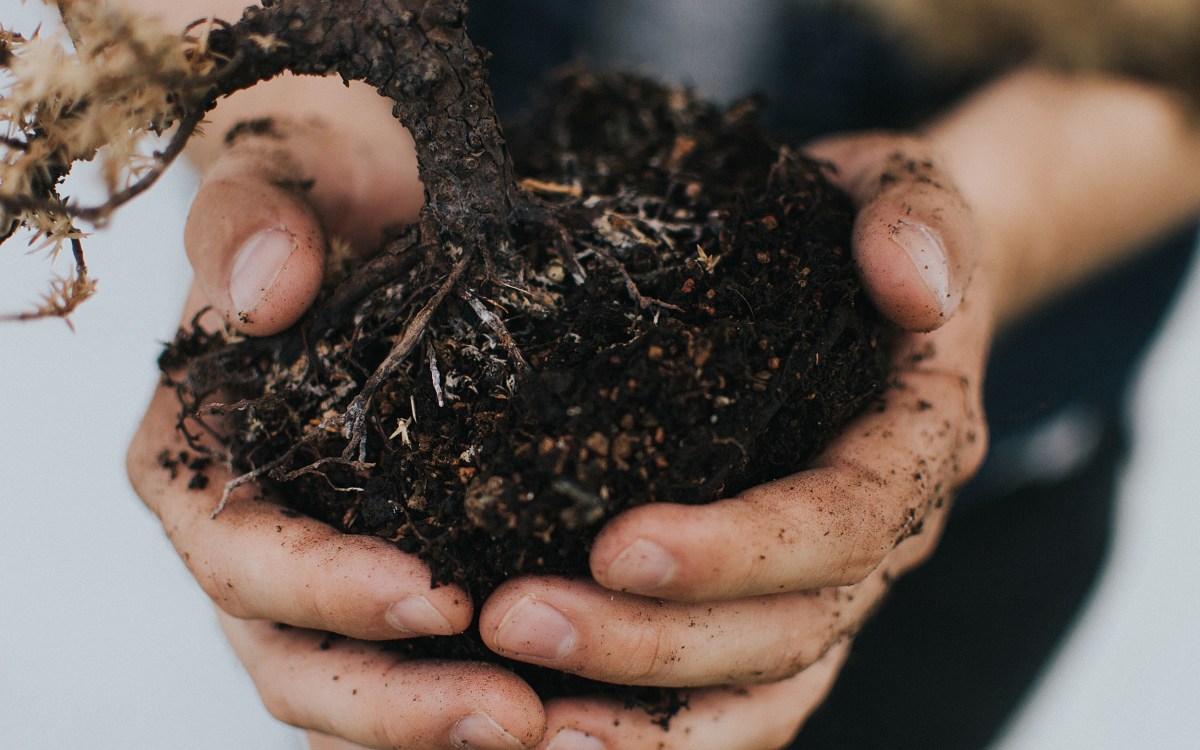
[355, 691]
[915, 240]
[257, 560]
[578, 627]
[754, 717]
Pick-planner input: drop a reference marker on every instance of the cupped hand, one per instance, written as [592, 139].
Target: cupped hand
[257, 237]
[765, 589]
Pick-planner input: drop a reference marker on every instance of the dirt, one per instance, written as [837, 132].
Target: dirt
[677, 319]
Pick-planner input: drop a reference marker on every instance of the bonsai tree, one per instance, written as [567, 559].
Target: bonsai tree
[495, 248]
[661, 309]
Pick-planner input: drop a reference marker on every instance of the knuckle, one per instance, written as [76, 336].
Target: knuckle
[801, 652]
[327, 608]
[915, 552]
[976, 439]
[390, 733]
[224, 594]
[874, 535]
[221, 589]
[927, 543]
[645, 661]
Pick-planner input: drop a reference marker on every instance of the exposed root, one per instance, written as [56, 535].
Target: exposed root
[384, 268]
[315, 468]
[251, 476]
[497, 327]
[352, 422]
[162, 160]
[643, 302]
[434, 375]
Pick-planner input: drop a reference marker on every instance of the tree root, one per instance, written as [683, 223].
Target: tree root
[352, 422]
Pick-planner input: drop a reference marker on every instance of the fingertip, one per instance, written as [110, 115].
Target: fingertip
[508, 714]
[379, 699]
[906, 270]
[642, 567]
[626, 555]
[478, 730]
[257, 249]
[915, 239]
[418, 615]
[660, 550]
[274, 277]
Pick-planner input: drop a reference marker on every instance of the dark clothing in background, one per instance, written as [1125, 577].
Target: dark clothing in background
[960, 640]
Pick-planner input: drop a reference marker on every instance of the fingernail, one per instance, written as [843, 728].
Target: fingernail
[536, 630]
[414, 615]
[573, 739]
[478, 731]
[256, 267]
[928, 254]
[642, 567]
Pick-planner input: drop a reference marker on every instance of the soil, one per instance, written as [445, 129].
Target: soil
[677, 318]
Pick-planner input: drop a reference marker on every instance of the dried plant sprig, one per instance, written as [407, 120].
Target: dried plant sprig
[66, 293]
[119, 82]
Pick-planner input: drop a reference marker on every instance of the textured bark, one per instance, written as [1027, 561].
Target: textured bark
[417, 54]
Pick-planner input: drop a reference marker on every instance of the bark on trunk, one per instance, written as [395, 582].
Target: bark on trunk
[415, 52]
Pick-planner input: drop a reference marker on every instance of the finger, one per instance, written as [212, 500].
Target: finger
[256, 561]
[359, 693]
[915, 241]
[578, 627]
[832, 524]
[754, 717]
[258, 228]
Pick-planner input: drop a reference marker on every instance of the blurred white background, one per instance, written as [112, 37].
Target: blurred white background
[106, 643]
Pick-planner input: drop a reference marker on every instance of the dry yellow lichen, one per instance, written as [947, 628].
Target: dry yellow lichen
[110, 90]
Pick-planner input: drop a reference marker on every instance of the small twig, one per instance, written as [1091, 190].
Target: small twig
[434, 374]
[315, 466]
[550, 188]
[631, 287]
[383, 268]
[496, 326]
[223, 410]
[565, 249]
[187, 125]
[356, 414]
[188, 412]
[248, 477]
[538, 214]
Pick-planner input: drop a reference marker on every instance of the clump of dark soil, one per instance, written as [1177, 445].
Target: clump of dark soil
[688, 325]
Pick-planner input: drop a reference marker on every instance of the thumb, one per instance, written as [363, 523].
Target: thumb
[255, 243]
[259, 227]
[915, 241]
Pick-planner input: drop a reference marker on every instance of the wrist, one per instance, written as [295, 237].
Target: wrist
[1067, 175]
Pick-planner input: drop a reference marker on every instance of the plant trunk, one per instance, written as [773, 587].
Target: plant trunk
[416, 53]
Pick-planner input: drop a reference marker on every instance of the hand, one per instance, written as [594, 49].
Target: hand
[262, 566]
[766, 589]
